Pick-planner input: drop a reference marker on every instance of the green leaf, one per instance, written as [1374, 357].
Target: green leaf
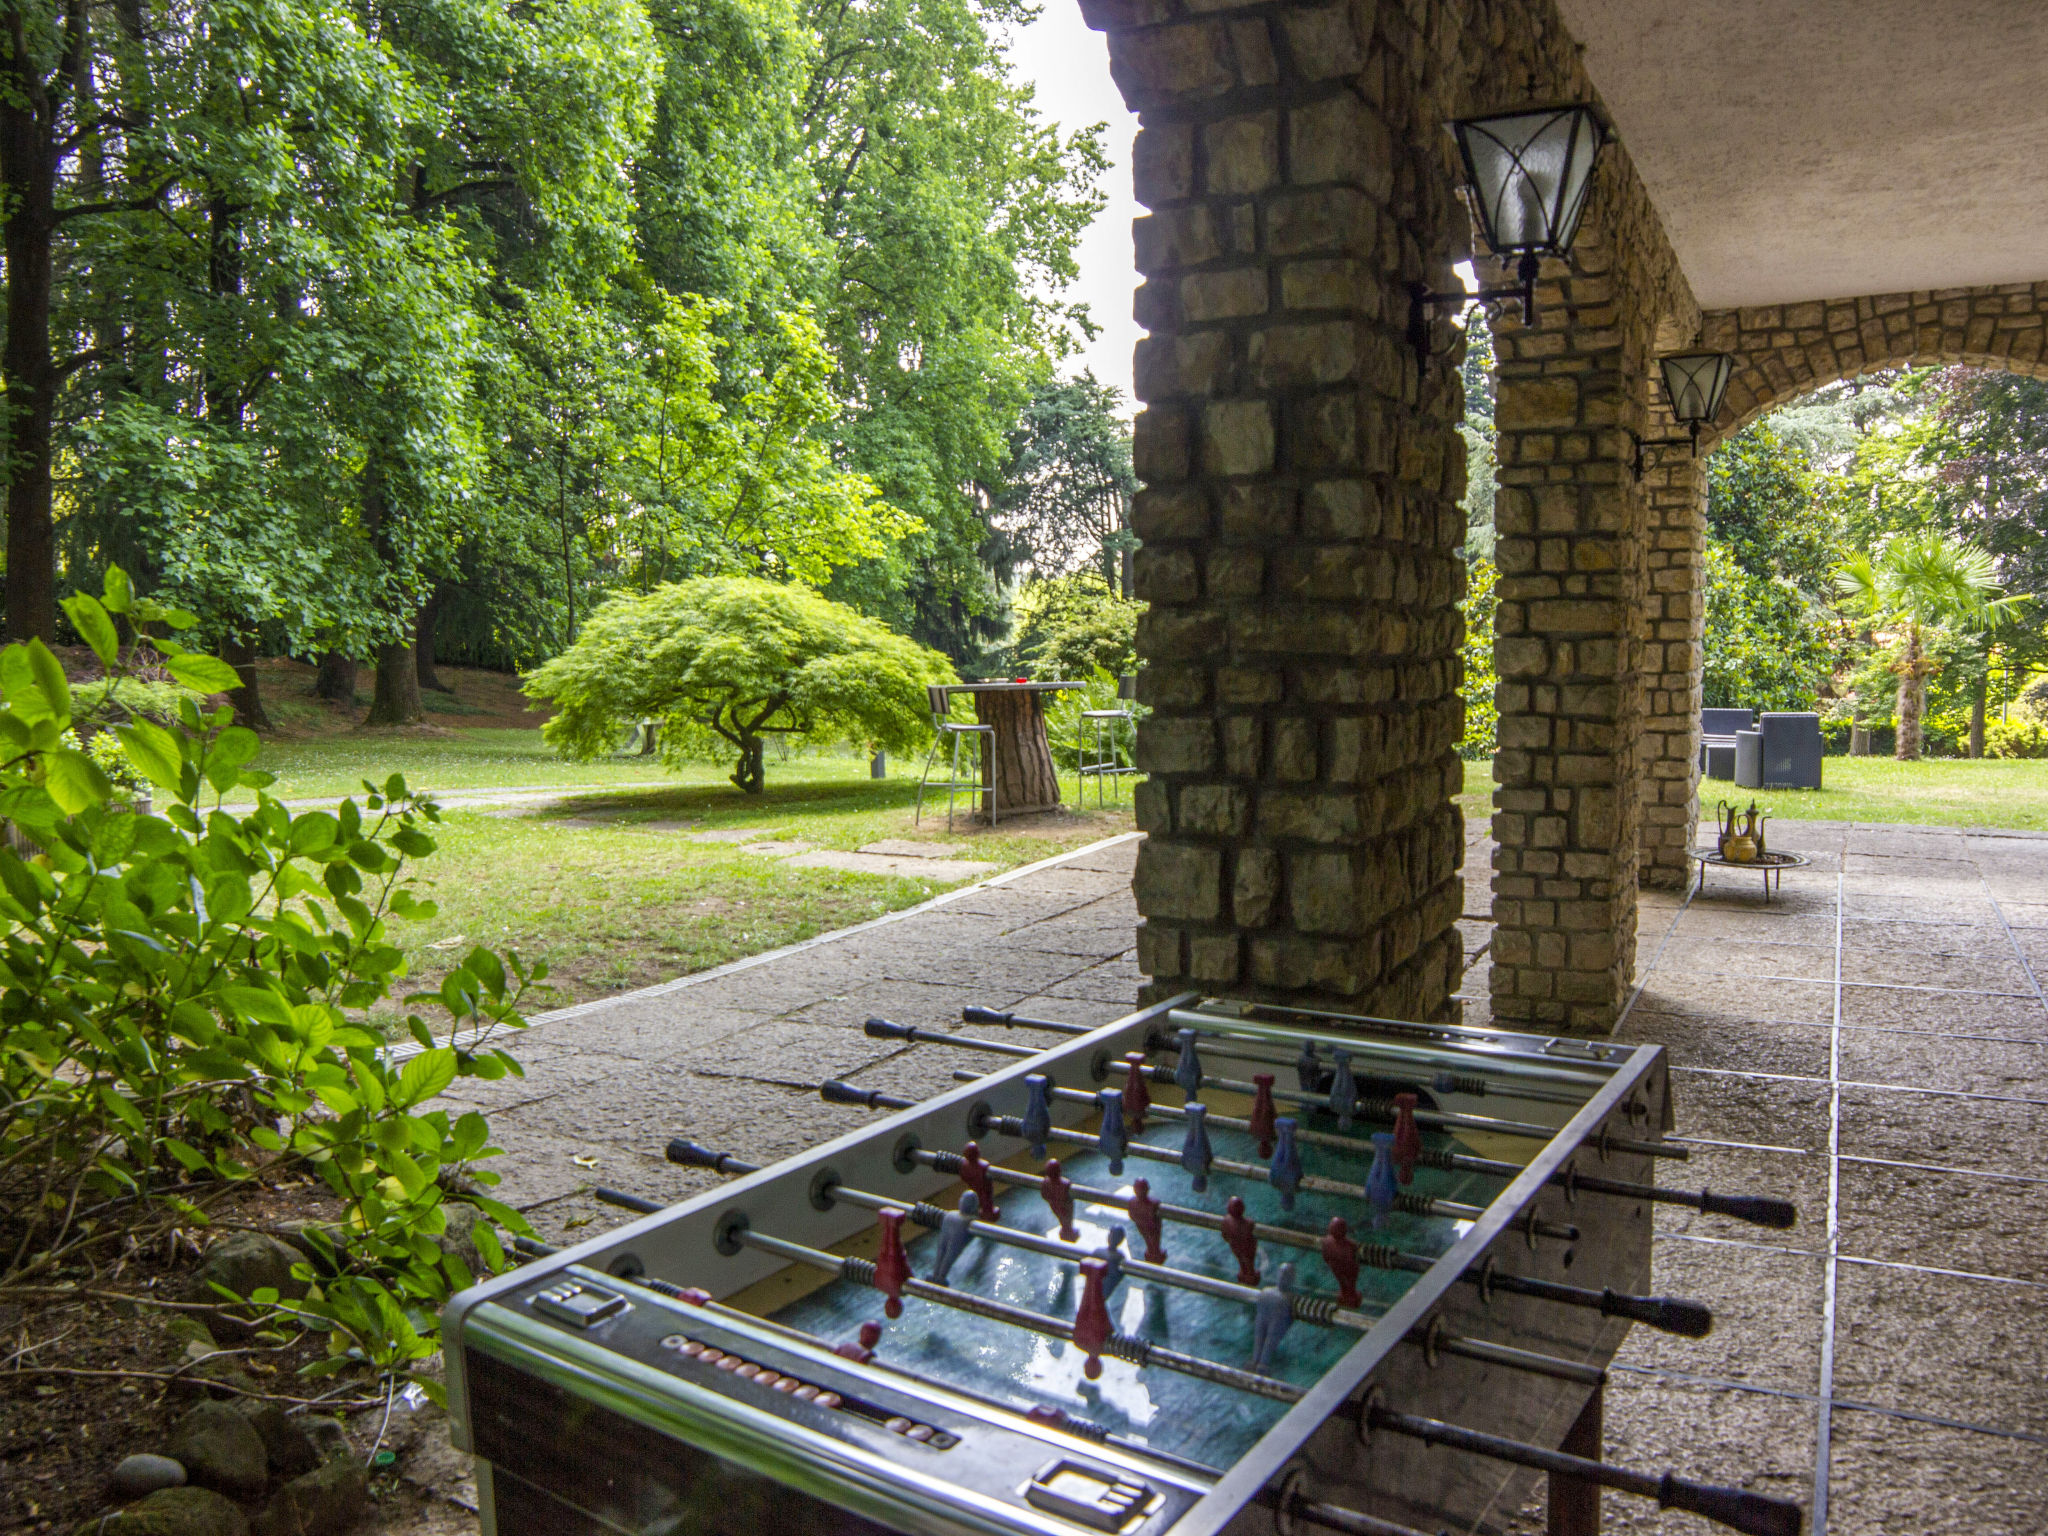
[425, 1075]
[120, 591]
[203, 674]
[258, 1003]
[50, 680]
[93, 626]
[154, 752]
[74, 781]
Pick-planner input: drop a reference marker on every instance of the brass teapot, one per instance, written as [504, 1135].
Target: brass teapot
[1741, 839]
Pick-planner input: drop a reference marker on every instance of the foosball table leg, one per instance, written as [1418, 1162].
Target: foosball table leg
[1575, 1503]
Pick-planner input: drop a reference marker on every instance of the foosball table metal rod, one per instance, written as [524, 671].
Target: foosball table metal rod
[1380, 1111]
[1757, 1514]
[1668, 1314]
[1758, 1210]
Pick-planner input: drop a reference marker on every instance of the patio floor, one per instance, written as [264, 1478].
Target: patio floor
[1871, 1043]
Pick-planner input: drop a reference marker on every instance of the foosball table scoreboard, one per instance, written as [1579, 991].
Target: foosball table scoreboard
[1214, 1267]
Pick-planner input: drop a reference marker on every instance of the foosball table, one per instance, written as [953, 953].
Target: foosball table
[1213, 1267]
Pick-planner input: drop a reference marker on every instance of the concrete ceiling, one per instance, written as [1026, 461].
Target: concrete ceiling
[1807, 149]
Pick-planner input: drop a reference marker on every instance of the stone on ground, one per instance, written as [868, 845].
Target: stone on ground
[904, 848]
[284, 1439]
[324, 1502]
[144, 1474]
[220, 1449]
[173, 1512]
[245, 1262]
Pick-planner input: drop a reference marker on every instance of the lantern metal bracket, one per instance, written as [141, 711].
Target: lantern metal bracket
[1691, 442]
[1421, 300]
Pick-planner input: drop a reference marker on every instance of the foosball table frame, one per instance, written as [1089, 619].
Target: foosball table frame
[583, 1428]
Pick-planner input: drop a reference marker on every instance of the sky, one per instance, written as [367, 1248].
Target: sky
[1069, 65]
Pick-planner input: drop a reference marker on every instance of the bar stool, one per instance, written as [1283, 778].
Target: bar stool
[944, 727]
[1096, 751]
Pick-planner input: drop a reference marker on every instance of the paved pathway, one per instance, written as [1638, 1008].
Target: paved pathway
[1871, 1044]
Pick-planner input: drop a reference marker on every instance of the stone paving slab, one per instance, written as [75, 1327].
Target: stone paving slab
[943, 871]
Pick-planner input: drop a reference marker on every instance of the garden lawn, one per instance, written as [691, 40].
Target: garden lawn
[443, 762]
[1950, 792]
[610, 889]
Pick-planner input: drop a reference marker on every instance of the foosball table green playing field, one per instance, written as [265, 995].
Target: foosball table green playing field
[1212, 1267]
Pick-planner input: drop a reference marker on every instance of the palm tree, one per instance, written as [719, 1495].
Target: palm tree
[1918, 582]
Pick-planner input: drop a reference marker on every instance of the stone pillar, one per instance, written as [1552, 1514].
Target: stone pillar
[1300, 511]
[1674, 625]
[1570, 520]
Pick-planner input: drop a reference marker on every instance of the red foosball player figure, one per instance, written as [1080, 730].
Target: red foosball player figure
[1137, 1097]
[1407, 1139]
[1262, 1112]
[864, 1351]
[1243, 1239]
[892, 1264]
[974, 1174]
[1092, 1328]
[1341, 1254]
[1144, 1213]
[1059, 1198]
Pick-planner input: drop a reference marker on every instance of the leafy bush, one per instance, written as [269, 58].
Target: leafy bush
[184, 1004]
[1482, 711]
[2014, 738]
[1074, 626]
[735, 660]
[1766, 645]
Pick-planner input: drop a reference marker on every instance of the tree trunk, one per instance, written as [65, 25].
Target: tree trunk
[752, 773]
[336, 679]
[423, 644]
[397, 700]
[1018, 766]
[1977, 715]
[649, 732]
[247, 699]
[1907, 748]
[28, 179]
[1859, 734]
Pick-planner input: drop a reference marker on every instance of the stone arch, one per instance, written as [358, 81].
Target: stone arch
[1783, 351]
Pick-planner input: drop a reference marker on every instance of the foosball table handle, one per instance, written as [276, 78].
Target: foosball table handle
[685, 1153]
[1759, 1210]
[836, 1092]
[1758, 1514]
[1670, 1314]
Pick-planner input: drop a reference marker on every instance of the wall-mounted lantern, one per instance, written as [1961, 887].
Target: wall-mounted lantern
[1694, 383]
[1529, 173]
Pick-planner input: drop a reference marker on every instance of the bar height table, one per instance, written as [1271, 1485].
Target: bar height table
[1018, 771]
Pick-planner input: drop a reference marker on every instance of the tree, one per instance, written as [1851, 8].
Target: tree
[1067, 488]
[1920, 582]
[1766, 645]
[1074, 626]
[736, 659]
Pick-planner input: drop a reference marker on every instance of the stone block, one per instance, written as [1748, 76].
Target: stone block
[1294, 750]
[1169, 744]
[1255, 888]
[1303, 356]
[1322, 433]
[1257, 514]
[1341, 139]
[1159, 950]
[1169, 366]
[1163, 64]
[1242, 154]
[1324, 41]
[1214, 810]
[1159, 445]
[1178, 880]
[1178, 237]
[1336, 221]
[1224, 295]
[1163, 162]
[1536, 404]
[1241, 746]
[1238, 437]
[1180, 513]
[1165, 575]
[1213, 958]
[1235, 574]
[1168, 634]
[1341, 509]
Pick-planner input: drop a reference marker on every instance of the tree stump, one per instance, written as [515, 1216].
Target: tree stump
[1020, 760]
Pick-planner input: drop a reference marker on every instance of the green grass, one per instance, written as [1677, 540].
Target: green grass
[470, 758]
[1943, 792]
[607, 886]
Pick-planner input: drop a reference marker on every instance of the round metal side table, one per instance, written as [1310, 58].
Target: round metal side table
[1771, 865]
